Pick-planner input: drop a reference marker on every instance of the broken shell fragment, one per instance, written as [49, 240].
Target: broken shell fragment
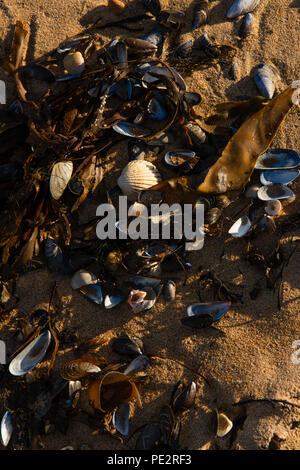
[274, 191]
[74, 63]
[31, 355]
[276, 159]
[60, 176]
[138, 175]
[224, 424]
[240, 227]
[120, 419]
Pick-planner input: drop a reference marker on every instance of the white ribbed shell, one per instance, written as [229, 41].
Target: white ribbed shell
[137, 176]
[60, 176]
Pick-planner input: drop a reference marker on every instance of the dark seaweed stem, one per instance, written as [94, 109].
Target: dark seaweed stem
[182, 364]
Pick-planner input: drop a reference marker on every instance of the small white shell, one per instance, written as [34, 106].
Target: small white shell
[60, 176]
[240, 227]
[273, 207]
[6, 428]
[31, 355]
[74, 63]
[136, 176]
[224, 425]
[82, 278]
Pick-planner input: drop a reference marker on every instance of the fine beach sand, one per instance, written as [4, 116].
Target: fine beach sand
[249, 355]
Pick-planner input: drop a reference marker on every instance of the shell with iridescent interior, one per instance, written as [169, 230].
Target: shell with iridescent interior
[137, 176]
[60, 176]
[31, 355]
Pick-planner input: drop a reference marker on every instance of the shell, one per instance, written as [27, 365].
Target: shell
[156, 36]
[172, 156]
[201, 14]
[82, 278]
[266, 78]
[60, 176]
[274, 191]
[74, 63]
[183, 397]
[224, 425]
[216, 309]
[273, 207]
[251, 192]
[127, 346]
[139, 364]
[6, 428]
[240, 227]
[276, 159]
[170, 291]
[241, 7]
[120, 419]
[278, 176]
[246, 26]
[31, 355]
[114, 299]
[77, 369]
[138, 175]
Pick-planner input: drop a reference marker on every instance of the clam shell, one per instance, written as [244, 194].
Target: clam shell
[278, 176]
[273, 207]
[6, 428]
[276, 159]
[31, 355]
[120, 419]
[241, 7]
[82, 278]
[240, 227]
[60, 176]
[138, 175]
[274, 191]
[74, 63]
[224, 425]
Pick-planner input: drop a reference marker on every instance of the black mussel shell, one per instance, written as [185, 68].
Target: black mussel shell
[127, 346]
[198, 321]
[183, 397]
[55, 259]
[38, 73]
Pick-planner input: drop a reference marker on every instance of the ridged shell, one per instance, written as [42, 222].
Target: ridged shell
[60, 176]
[266, 78]
[137, 176]
[241, 7]
[31, 355]
[74, 63]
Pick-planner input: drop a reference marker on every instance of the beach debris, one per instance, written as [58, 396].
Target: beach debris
[7, 428]
[246, 27]
[138, 175]
[241, 7]
[31, 355]
[201, 13]
[120, 418]
[205, 314]
[241, 227]
[224, 424]
[266, 78]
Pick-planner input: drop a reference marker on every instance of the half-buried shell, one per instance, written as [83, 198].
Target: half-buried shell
[60, 176]
[137, 176]
[31, 355]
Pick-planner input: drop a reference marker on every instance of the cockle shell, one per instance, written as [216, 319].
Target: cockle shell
[74, 63]
[241, 7]
[60, 176]
[137, 176]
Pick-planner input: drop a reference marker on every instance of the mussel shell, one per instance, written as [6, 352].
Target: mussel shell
[140, 281]
[240, 227]
[92, 292]
[246, 26]
[136, 45]
[274, 191]
[130, 129]
[216, 309]
[113, 299]
[154, 73]
[278, 176]
[77, 369]
[38, 73]
[184, 50]
[201, 14]
[148, 197]
[276, 159]
[193, 99]
[127, 346]
[139, 364]
[196, 134]
[185, 155]
[54, 255]
[6, 428]
[31, 355]
[157, 35]
[265, 78]
[241, 7]
[82, 278]
[184, 398]
[120, 419]
[198, 321]
[60, 176]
